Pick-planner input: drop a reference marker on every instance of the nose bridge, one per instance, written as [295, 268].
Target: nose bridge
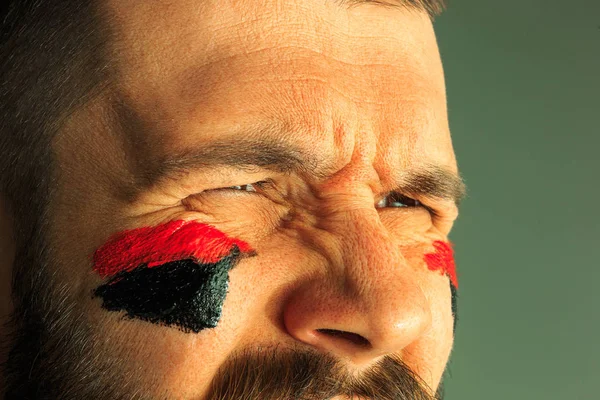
[349, 214]
[367, 247]
[366, 251]
[368, 303]
[374, 270]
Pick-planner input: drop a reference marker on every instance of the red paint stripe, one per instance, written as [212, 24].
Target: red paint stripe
[443, 260]
[158, 245]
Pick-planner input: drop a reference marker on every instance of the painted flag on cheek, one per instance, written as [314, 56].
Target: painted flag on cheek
[175, 274]
[442, 259]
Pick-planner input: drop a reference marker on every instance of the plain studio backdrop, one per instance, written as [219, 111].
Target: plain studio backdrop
[523, 81]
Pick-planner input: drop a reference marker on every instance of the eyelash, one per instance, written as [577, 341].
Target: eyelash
[397, 197]
[259, 185]
[400, 198]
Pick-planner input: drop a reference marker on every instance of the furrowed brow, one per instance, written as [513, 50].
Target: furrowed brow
[243, 154]
[431, 181]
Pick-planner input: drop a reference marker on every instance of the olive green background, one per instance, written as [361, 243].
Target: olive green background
[523, 81]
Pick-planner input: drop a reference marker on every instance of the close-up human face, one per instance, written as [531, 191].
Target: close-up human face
[265, 186]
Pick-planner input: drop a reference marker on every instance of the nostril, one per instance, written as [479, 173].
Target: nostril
[349, 336]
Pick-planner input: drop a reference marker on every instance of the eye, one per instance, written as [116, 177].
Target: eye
[244, 188]
[395, 199]
[248, 187]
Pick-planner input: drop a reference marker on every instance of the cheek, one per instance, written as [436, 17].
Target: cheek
[175, 274]
[442, 260]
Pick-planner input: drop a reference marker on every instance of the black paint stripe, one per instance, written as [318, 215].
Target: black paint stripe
[181, 293]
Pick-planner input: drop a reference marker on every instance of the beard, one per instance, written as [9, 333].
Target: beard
[54, 353]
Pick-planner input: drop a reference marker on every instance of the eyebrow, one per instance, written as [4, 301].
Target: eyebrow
[433, 8]
[431, 180]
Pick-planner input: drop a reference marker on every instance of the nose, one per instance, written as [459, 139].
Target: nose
[366, 303]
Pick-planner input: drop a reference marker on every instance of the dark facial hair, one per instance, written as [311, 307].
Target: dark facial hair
[279, 373]
[54, 354]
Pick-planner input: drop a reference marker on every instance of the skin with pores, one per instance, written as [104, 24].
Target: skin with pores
[176, 273]
[357, 93]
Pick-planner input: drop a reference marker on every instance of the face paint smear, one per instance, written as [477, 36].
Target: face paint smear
[443, 260]
[172, 274]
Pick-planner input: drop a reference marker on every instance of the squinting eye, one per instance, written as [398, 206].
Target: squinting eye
[395, 199]
[249, 187]
[245, 188]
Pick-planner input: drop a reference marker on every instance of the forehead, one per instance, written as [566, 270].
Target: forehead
[321, 75]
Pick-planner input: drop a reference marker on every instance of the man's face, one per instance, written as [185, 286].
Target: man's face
[206, 96]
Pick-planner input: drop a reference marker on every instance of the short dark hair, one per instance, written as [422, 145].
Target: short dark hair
[50, 63]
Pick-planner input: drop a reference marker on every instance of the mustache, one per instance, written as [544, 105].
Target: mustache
[306, 374]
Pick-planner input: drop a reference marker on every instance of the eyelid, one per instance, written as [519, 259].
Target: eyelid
[268, 183]
[262, 184]
[401, 196]
[420, 203]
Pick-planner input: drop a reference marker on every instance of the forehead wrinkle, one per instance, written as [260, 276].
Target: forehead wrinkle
[408, 66]
[244, 147]
[157, 49]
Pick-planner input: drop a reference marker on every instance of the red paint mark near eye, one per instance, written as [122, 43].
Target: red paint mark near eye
[165, 243]
[443, 260]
